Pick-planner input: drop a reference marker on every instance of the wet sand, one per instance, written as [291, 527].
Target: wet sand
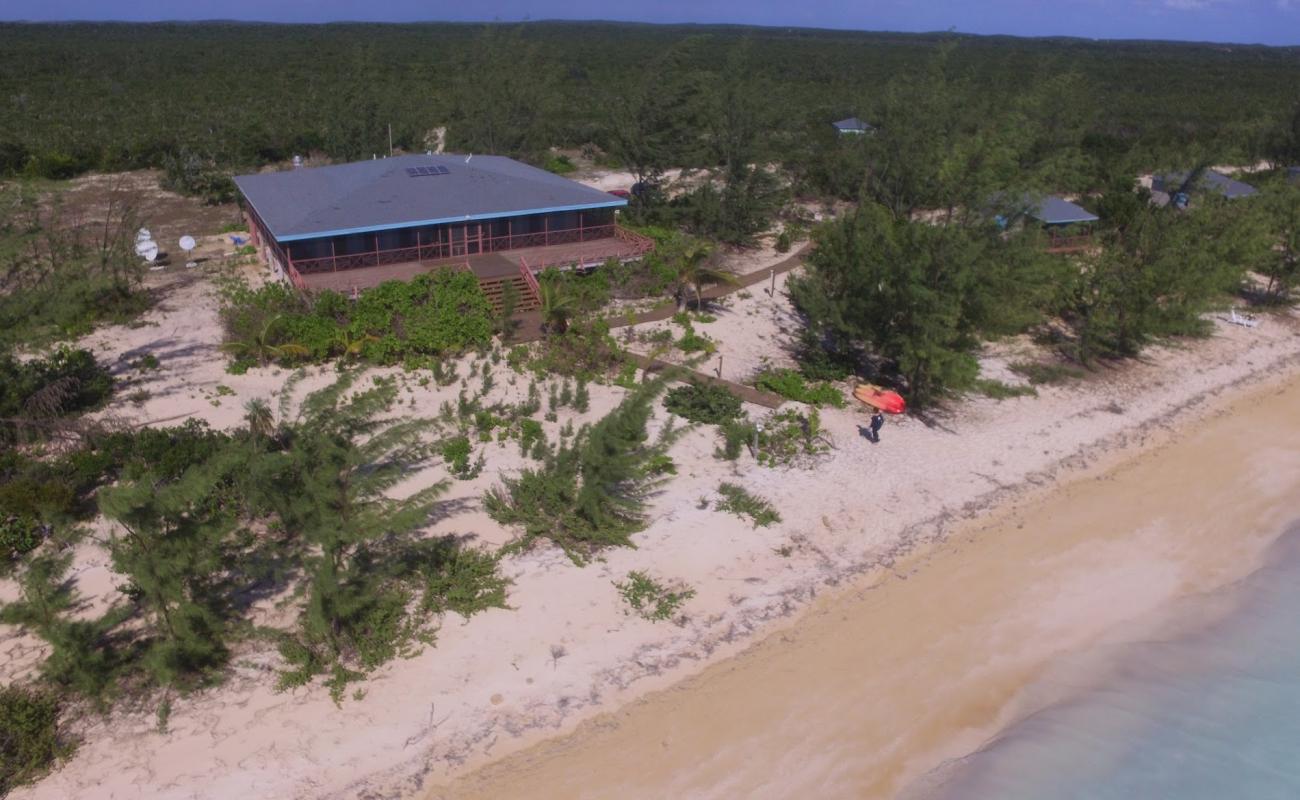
[877, 685]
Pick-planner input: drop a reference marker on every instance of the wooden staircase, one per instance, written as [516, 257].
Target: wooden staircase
[525, 295]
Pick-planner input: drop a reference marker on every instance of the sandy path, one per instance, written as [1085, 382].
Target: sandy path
[878, 685]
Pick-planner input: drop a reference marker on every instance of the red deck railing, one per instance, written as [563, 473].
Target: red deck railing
[530, 279]
[295, 278]
[468, 245]
[629, 245]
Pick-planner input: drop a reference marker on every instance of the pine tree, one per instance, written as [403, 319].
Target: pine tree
[591, 492]
[175, 543]
[82, 656]
[919, 296]
[328, 487]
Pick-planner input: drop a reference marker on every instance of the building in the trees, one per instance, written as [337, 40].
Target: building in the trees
[1293, 175]
[349, 227]
[1068, 225]
[1178, 187]
[853, 127]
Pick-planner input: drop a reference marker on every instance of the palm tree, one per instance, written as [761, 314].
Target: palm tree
[262, 347]
[693, 272]
[352, 343]
[557, 307]
[260, 420]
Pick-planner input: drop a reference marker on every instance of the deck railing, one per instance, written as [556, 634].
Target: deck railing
[1069, 244]
[468, 245]
[530, 279]
[295, 277]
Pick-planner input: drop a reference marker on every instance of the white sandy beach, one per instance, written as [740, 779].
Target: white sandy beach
[565, 650]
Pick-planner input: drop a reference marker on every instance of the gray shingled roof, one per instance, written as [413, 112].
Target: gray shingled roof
[1053, 210]
[852, 124]
[381, 194]
[1209, 180]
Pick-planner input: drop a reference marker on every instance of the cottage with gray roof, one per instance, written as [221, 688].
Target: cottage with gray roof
[1179, 188]
[1053, 210]
[853, 126]
[395, 217]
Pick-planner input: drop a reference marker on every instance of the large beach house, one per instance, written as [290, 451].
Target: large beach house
[349, 227]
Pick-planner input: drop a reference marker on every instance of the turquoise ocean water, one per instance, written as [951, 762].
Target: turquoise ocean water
[1211, 715]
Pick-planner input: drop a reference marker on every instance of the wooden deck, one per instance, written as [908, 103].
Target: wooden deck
[487, 266]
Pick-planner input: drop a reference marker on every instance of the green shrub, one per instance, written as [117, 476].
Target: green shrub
[517, 357]
[736, 434]
[626, 377]
[1039, 373]
[791, 385]
[783, 241]
[33, 392]
[1001, 391]
[707, 403]
[19, 536]
[559, 164]
[532, 439]
[735, 500]
[789, 438]
[467, 582]
[819, 363]
[585, 350]
[692, 342]
[457, 452]
[651, 599]
[29, 736]
[439, 312]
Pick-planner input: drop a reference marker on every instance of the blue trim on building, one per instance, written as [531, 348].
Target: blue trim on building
[298, 237]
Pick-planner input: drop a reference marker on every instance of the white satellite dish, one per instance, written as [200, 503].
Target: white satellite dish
[149, 250]
[187, 244]
[143, 235]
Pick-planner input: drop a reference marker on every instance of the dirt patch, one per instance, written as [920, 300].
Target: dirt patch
[166, 214]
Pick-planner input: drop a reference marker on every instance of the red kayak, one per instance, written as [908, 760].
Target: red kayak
[883, 399]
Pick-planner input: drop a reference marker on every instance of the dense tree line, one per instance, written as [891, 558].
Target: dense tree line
[203, 99]
[911, 301]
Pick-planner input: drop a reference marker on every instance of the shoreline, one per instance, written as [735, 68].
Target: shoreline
[677, 715]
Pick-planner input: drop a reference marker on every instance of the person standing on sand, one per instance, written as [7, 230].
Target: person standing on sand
[877, 422]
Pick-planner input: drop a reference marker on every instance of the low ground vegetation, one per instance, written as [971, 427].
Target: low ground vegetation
[791, 385]
[652, 599]
[705, 403]
[30, 739]
[736, 500]
[434, 314]
[59, 276]
[37, 393]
